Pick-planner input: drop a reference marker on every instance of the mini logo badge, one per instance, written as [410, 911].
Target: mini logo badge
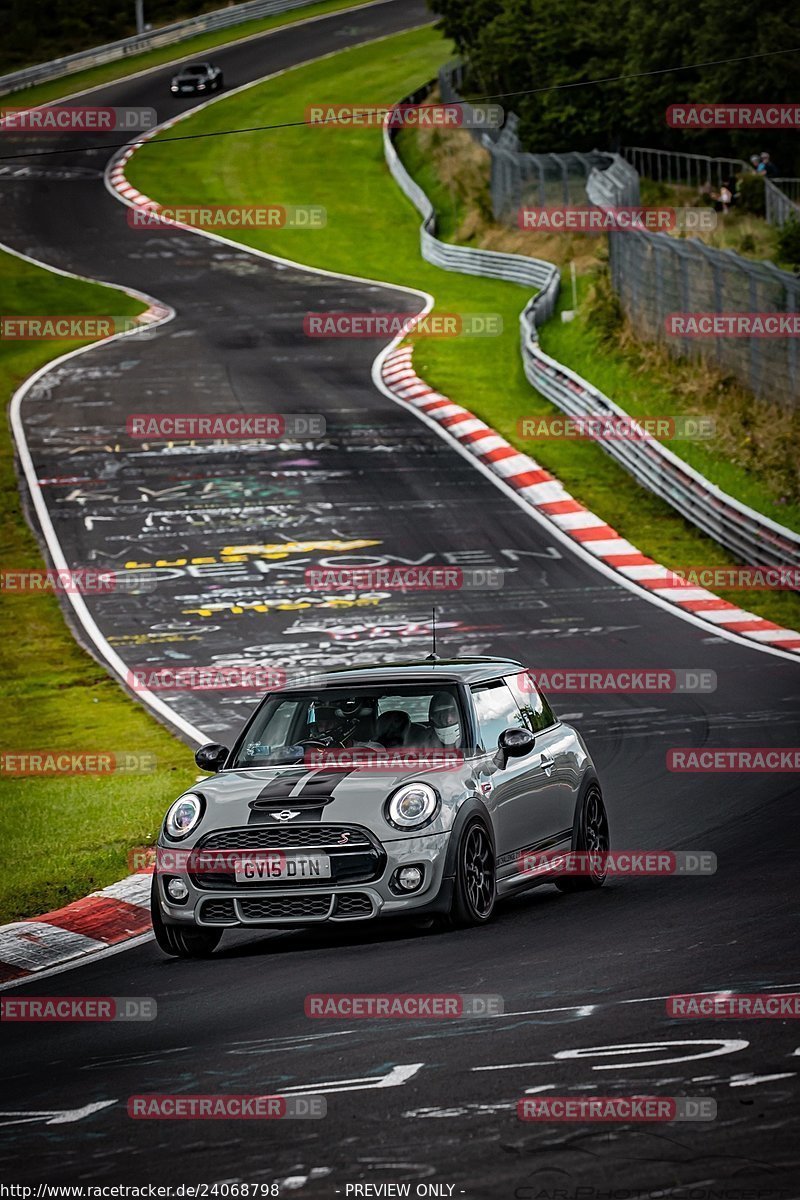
[286, 814]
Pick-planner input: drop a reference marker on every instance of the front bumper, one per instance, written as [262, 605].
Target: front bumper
[226, 904]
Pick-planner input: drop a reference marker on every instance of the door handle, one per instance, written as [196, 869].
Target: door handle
[547, 763]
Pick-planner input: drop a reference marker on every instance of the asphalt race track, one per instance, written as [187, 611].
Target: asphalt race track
[583, 978]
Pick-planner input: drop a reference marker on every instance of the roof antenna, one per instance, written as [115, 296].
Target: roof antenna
[433, 657]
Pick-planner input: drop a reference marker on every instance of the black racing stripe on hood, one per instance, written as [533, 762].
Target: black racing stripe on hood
[326, 782]
[281, 786]
[320, 785]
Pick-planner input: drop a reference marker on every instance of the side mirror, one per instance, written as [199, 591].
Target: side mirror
[513, 743]
[211, 757]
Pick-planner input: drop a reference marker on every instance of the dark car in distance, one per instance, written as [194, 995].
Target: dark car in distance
[197, 79]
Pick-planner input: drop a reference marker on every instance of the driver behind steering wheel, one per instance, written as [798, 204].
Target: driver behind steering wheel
[347, 723]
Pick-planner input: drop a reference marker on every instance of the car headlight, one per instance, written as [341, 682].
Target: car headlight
[200, 87]
[412, 805]
[183, 816]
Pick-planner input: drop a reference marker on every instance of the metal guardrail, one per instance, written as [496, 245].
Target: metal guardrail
[655, 276]
[514, 268]
[673, 166]
[789, 187]
[778, 204]
[165, 36]
[519, 177]
[781, 196]
[752, 537]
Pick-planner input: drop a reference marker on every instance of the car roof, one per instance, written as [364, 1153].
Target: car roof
[421, 670]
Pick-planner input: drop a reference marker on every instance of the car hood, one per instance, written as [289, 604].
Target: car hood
[251, 795]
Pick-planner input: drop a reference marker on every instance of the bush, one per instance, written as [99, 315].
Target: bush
[604, 310]
[750, 195]
[789, 241]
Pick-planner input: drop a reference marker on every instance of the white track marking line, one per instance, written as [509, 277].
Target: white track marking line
[65, 1116]
[396, 1077]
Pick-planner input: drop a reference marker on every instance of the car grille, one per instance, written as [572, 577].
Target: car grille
[217, 912]
[223, 911]
[275, 837]
[353, 904]
[357, 860]
[263, 908]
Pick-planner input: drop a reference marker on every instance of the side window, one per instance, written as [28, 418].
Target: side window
[278, 721]
[496, 710]
[535, 710]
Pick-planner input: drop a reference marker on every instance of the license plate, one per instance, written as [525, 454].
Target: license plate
[267, 865]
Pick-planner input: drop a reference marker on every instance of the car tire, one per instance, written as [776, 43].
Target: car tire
[176, 941]
[220, 83]
[591, 836]
[475, 884]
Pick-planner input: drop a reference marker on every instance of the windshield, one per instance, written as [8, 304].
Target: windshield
[195, 71]
[383, 717]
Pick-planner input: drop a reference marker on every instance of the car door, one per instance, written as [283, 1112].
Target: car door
[508, 793]
[531, 799]
[555, 762]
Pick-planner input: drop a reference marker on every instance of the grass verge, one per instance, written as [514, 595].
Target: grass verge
[372, 230]
[82, 81]
[64, 835]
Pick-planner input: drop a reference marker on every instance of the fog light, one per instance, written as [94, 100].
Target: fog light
[177, 889]
[409, 878]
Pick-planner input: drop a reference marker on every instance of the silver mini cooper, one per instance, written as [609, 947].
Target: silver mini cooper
[426, 789]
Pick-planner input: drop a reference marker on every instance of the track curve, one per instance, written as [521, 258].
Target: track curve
[575, 972]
